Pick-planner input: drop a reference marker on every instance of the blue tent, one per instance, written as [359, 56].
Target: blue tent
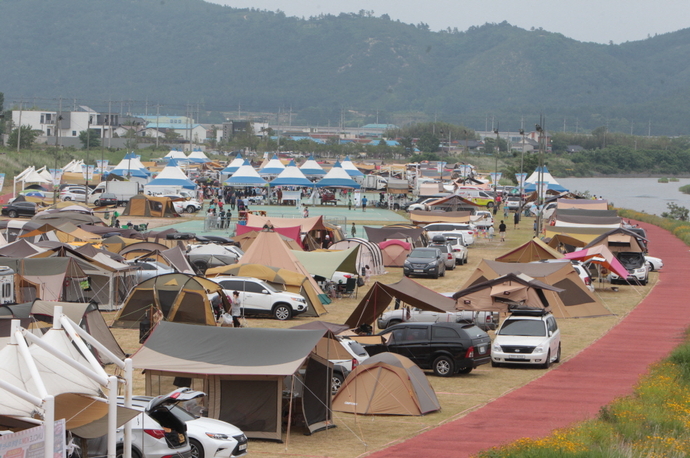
[552, 184]
[337, 177]
[350, 168]
[291, 176]
[245, 176]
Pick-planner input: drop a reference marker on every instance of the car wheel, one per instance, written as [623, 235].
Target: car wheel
[453, 268]
[67, 199]
[443, 366]
[466, 370]
[645, 281]
[465, 261]
[443, 274]
[200, 267]
[558, 355]
[490, 205]
[406, 274]
[191, 209]
[13, 213]
[97, 203]
[547, 363]
[650, 266]
[282, 312]
[336, 382]
[197, 451]
[435, 275]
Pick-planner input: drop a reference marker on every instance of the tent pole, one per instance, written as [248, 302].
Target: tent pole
[289, 425]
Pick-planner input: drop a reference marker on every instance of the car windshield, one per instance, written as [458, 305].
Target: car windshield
[423, 254]
[523, 328]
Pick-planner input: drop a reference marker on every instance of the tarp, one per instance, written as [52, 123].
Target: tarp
[378, 235]
[603, 256]
[585, 234]
[565, 243]
[502, 293]
[294, 233]
[174, 297]
[576, 301]
[377, 299]
[386, 384]
[584, 204]
[326, 262]
[315, 223]
[530, 251]
[245, 387]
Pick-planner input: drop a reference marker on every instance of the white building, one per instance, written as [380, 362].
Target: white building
[66, 124]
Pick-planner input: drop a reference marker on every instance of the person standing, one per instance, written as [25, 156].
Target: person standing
[491, 233]
[349, 201]
[367, 274]
[236, 309]
[364, 203]
[305, 212]
[516, 219]
[502, 231]
[354, 230]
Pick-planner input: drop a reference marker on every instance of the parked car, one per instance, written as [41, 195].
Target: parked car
[445, 348]
[527, 337]
[149, 268]
[653, 264]
[482, 219]
[425, 261]
[260, 298]
[184, 204]
[208, 437]
[75, 193]
[204, 256]
[156, 432]
[105, 199]
[457, 242]
[635, 264]
[513, 202]
[343, 367]
[420, 204]
[16, 209]
[483, 320]
[439, 242]
[467, 230]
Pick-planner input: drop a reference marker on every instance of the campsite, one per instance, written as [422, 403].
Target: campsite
[266, 378]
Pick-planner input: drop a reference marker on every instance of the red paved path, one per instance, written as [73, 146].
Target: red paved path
[576, 389]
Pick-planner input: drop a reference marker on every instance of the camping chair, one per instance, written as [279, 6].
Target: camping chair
[350, 287]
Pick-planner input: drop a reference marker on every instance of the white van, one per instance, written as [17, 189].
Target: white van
[476, 195]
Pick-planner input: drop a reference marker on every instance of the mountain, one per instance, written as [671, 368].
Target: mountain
[176, 52]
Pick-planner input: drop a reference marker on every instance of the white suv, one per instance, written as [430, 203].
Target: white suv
[343, 367]
[467, 230]
[457, 242]
[260, 298]
[527, 337]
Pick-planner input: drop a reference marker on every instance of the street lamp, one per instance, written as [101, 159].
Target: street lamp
[496, 157]
[522, 159]
[88, 137]
[540, 176]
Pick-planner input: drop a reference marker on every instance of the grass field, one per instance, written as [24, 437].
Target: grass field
[458, 395]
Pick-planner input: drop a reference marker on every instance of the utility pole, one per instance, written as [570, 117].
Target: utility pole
[88, 137]
[496, 157]
[19, 128]
[522, 159]
[540, 185]
[110, 123]
[158, 112]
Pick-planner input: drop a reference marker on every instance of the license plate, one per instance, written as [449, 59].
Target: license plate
[482, 350]
[517, 357]
[243, 447]
[419, 270]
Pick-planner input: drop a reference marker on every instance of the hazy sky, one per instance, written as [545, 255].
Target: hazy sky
[585, 20]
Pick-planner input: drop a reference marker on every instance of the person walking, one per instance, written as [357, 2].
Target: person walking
[364, 203]
[305, 212]
[516, 219]
[491, 233]
[367, 274]
[502, 231]
[354, 230]
[236, 309]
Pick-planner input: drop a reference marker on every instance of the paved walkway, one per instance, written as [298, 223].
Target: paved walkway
[576, 389]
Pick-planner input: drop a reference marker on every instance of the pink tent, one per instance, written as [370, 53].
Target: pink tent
[395, 252]
[600, 251]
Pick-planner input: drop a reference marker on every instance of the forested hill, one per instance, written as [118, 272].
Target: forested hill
[189, 51]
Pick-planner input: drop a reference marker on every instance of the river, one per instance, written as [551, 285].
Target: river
[641, 194]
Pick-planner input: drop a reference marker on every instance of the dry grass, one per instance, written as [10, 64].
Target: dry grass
[357, 435]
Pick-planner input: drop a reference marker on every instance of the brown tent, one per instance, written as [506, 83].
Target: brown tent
[576, 301]
[584, 204]
[375, 302]
[503, 293]
[386, 384]
[395, 252]
[403, 232]
[245, 387]
[176, 297]
[533, 250]
[620, 240]
[565, 243]
[454, 203]
[157, 207]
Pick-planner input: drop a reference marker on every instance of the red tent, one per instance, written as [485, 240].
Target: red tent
[604, 257]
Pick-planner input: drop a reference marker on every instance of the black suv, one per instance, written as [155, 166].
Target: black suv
[425, 261]
[445, 348]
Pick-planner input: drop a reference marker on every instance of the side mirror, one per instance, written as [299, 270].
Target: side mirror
[264, 291]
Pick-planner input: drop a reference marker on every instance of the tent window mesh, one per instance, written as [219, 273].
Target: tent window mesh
[250, 405]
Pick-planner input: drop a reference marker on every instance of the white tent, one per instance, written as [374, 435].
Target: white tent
[176, 154]
[311, 168]
[29, 175]
[232, 167]
[546, 177]
[130, 166]
[198, 157]
[74, 166]
[350, 168]
[45, 174]
[272, 167]
[337, 177]
[291, 176]
[171, 180]
[245, 176]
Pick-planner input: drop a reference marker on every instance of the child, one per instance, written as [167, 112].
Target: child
[491, 233]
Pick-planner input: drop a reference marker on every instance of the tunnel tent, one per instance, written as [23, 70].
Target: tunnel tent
[245, 387]
[369, 254]
[157, 207]
[386, 384]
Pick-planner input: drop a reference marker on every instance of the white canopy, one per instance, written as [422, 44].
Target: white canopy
[176, 154]
[350, 168]
[312, 168]
[291, 176]
[273, 167]
[245, 176]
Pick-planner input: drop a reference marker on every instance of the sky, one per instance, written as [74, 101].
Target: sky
[599, 21]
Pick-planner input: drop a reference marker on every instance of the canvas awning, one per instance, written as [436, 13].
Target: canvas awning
[533, 250]
[420, 217]
[325, 263]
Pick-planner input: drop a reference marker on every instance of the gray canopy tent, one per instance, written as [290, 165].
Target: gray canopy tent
[245, 386]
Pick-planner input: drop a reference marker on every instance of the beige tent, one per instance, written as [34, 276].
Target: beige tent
[584, 204]
[386, 384]
[576, 301]
[620, 240]
[158, 207]
[175, 297]
[533, 250]
[245, 240]
[270, 250]
[395, 252]
[585, 234]
[422, 218]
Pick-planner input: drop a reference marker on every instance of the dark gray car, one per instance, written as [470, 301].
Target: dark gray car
[425, 262]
